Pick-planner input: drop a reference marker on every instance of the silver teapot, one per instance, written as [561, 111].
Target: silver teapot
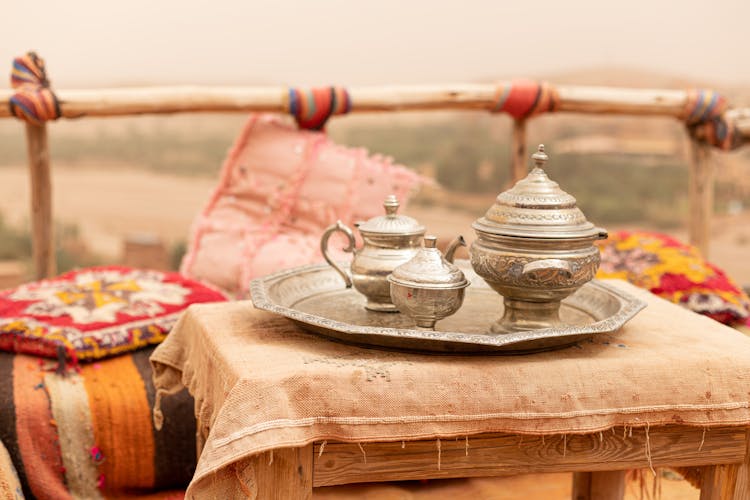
[389, 241]
[534, 247]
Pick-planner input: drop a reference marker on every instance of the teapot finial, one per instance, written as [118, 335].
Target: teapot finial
[391, 204]
[540, 157]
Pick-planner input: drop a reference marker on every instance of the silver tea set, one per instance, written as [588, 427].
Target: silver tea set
[534, 247]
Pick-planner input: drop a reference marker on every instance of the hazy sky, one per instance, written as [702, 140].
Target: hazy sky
[96, 42]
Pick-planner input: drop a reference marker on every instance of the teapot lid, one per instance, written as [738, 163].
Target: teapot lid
[391, 223]
[429, 269]
[536, 207]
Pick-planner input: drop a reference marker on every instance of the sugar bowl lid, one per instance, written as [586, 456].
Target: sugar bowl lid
[429, 269]
[392, 223]
[536, 207]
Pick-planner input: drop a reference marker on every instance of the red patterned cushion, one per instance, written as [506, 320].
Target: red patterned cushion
[674, 271]
[96, 312]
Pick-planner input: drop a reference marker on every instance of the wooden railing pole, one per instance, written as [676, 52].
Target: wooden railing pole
[41, 201]
[518, 169]
[573, 98]
[701, 195]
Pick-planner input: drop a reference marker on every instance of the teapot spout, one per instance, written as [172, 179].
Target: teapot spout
[451, 250]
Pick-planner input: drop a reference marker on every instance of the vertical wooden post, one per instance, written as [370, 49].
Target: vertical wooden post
[718, 482]
[289, 475]
[742, 486]
[727, 482]
[41, 201]
[605, 485]
[581, 486]
[701, 195]
[518, 169]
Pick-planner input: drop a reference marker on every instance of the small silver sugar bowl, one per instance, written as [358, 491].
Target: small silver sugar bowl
[429, 287]
[389, 241]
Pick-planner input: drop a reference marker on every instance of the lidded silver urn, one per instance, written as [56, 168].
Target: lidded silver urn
[389, 241]
[534, 247]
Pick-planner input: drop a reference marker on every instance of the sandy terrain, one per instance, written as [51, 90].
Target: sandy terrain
[109, 204]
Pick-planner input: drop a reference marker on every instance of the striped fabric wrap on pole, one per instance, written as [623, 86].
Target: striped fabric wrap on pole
[719, 132]
[524, 98]
[33, 101]
[703, 105]
[311, 108]
[706, 120]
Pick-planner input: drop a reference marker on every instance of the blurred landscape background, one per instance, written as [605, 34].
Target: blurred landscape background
[140, 181]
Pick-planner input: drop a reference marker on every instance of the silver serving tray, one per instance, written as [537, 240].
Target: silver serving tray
[315, 298]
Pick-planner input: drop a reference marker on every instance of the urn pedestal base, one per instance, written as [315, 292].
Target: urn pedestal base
[522, 315]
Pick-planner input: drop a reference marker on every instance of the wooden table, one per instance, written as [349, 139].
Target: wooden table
[598, 460]
[678, 382]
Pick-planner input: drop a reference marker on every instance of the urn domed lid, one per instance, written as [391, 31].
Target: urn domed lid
[392, 223]
[429, 269]
[536, 207]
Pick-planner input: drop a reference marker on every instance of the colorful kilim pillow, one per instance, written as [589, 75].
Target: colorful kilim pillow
[96, 312]
[89, 434]
[674, 271]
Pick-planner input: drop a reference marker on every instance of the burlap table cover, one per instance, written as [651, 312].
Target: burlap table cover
[262, 383]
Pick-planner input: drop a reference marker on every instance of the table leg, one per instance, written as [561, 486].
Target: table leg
[288, 476]
[604, 485]
[718, 482]
[727, 482]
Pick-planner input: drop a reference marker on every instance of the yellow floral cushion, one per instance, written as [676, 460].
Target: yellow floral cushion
[674, 271]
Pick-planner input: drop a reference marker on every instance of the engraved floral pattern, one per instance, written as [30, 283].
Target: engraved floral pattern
[509, 270]
[543, 216]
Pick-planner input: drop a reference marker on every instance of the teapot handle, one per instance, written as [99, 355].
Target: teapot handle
[339, 226]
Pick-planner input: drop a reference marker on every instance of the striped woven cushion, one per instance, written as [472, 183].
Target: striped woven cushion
[90, 434]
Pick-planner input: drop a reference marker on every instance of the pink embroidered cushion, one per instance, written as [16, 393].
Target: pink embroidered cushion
[96, 312]
[279, 188]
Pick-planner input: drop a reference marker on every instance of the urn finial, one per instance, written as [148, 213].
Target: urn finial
[540, 157]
